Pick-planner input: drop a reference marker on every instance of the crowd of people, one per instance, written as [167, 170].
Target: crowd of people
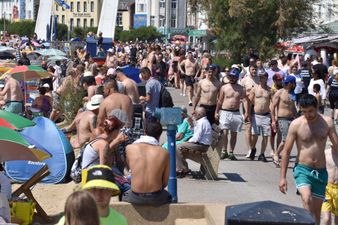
[267, 98]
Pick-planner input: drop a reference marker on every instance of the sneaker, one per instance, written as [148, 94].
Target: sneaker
[224, 155]
[232, 156]
[190, 103]
[248, 155]
[262, 158]
[252, 154]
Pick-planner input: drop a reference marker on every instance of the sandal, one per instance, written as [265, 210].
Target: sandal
[276, 161]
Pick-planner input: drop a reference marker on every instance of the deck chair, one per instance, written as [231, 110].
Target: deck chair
[25, 189]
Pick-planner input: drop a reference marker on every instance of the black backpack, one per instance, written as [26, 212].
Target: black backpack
[165, 98]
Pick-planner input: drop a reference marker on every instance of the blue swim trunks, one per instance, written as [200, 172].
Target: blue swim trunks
[316, 179]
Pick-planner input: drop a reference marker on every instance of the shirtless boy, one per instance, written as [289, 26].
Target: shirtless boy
[227, 112]
[310, 133]
[14, 96]
[207, 93]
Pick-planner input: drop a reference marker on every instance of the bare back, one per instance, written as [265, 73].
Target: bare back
[85, 125]
[116, 101]
[13, 90]
[131, 90]
[149, 166]
[231, 96]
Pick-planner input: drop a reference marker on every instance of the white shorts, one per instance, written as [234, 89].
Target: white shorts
[261, 125]
[232, 121]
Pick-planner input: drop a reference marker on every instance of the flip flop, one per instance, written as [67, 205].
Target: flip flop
[276, 163]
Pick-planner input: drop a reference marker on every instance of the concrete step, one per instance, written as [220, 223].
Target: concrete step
[191, 221]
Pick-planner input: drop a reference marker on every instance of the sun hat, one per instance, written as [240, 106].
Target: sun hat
[101, 177]
[118, 114]
[95, 102]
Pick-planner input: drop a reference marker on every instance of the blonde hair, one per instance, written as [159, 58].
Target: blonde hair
[81, 209]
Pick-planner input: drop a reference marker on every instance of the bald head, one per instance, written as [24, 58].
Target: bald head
[200, 112]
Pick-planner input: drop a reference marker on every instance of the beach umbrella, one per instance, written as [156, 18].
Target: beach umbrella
[57, 58]
[26, 73]
[6, 55]
[14, 121]
[6, 49]
[14, 147]
[51, 52]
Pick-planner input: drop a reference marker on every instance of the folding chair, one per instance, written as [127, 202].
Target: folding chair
[25, 189]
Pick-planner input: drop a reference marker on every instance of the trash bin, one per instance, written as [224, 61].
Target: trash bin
[267, 212]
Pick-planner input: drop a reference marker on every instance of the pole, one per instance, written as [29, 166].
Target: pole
[172, 183]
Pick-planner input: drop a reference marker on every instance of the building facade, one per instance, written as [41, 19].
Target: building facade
[15, 10]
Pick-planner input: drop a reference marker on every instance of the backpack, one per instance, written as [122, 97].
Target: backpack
[76, 170]
[165, 98]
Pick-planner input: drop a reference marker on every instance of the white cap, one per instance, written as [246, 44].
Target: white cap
[46, 85]
[111, 71]
[94, 102]
[2, 85]
[110, 50]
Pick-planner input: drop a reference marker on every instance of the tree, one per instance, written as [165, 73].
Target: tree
[242, 24]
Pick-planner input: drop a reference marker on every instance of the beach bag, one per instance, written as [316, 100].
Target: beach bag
[166, 100]
[23, 211]
[76, 170]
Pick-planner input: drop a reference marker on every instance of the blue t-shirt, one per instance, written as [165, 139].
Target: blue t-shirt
[153, 88]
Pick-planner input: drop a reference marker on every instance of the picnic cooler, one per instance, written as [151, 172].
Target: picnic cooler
[23, 210]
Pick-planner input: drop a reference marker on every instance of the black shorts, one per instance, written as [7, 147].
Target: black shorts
[189, 80]
[333, 99]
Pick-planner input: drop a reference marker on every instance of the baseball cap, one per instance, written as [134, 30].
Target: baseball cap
[111, 71]
[234, 72]
[94, 102]
[102, 177]
[211, 67]
[46, 85]
[277, 76]
[118, 114]
[110, 50]
[289, 79]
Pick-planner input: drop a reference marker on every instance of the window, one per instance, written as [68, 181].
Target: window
[91, 22]
[162, 21]
[173, 4]
[162, 3]
[63, 19]
[71, 24]
[78, 23]
[29, 14]
[173, 21]
[78, 6]
[56, 7]
[119, 19]
[84, 6]
[72, 6]
[141, 8]
[330, 11]
[84, 23]
[92, 6]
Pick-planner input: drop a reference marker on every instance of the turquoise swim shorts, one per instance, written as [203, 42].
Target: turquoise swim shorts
[316, 179]
[13, 107]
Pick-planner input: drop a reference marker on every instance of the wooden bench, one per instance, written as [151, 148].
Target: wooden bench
[209, 160]
[25, 189]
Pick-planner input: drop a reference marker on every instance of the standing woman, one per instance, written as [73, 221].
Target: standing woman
[316, 80]
[80, 209]
[332, 90]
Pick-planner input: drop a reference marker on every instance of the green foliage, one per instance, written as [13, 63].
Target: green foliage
[259, 24]
[142, 34]
[71, 101]
[82, 32]
[22, 28]
[62, 32]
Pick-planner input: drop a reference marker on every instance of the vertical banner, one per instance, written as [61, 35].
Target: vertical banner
[43, 19]
[108, 18]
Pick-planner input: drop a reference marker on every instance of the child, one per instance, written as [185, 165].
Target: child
[316, 90]
[331, 196]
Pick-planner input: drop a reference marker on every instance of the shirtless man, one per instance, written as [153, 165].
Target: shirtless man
[207, 93]
[286, 112]
[260, 97]
[130, 87]
[310, 133]
[14, 96]
[190, 70]
[85, 122]
[227, 112]
[331, 195]
[149, 165]
[249, 82]
[114, 100]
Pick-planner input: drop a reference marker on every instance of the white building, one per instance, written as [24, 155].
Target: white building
[14, 10]
[325, 11]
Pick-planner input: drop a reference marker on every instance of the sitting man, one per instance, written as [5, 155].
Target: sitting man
[200, 141]
[85, 122]
[100, 183]
[42, 104]
[149, 166]
[184, 131]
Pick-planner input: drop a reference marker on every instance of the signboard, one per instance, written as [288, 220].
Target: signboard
[181, 31]
[81, 15]
[198, 33]
[140, 20]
